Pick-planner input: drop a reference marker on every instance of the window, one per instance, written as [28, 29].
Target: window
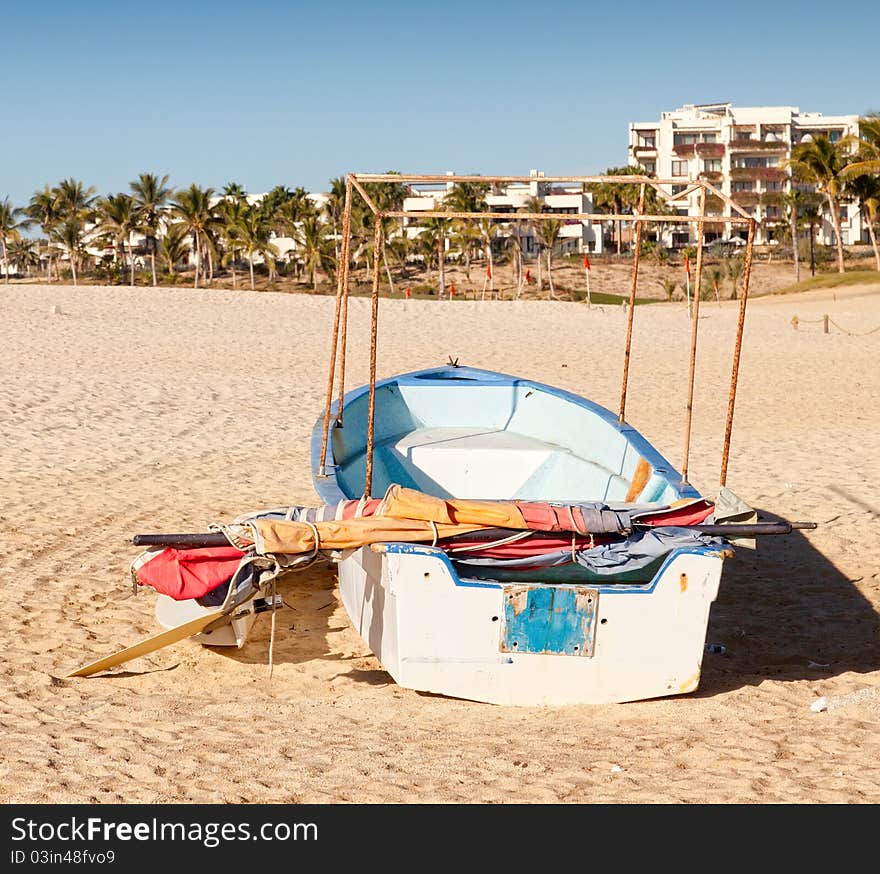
[712, 165]
[679, 168]
[690, 139]
[774, 186]
[648, 141]
[677, 189]
[650, 166]
[771, 212]
[682, 212]
[740, 134]
[742, 186]
[773, 161]
[835, 135]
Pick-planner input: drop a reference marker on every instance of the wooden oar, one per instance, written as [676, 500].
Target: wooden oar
[150, 644]
[732, 529]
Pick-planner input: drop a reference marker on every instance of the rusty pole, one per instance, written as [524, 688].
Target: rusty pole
[747, 272]
[345, 255]
[695, 315]
[322, 466]
[632, 302]
[374, 329]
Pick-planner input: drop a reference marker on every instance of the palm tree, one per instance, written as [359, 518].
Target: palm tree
[24, 253]
[231, 213]
[255, 230]
[867, 160]
[117, 216]
[669, 286]
[11, 223]
[535, 204]
[616, 198]
[76, 207]
[466, 238]
[151, 195]
[175, 245]
[69, 233]
[793, 202]
[467, 197]
[234, 191]
[43, 209]
[439, 228]
[487, 229]
[313, 245]
[866, 189]
[426, 246]
[548, 233]
[821, 162]
[812, 217]
[193, 207]
[334, 208]
[734, 268]
[75, 201]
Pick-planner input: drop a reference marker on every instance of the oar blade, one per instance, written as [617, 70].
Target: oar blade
[150, 644]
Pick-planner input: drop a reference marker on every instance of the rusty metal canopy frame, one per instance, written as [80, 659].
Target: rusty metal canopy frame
[354, 182]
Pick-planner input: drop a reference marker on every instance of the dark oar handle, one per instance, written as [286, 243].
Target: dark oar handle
[735, 529]
[181, 541]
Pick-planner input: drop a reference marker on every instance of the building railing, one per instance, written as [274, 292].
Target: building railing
[710, 150]
[758, 145]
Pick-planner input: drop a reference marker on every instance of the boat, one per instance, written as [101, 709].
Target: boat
[529, 546]
[513, 631]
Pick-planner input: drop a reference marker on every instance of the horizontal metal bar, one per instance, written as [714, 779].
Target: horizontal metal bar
[563, 216]
[435, 179]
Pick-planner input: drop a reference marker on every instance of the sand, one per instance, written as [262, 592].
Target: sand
[126, 411]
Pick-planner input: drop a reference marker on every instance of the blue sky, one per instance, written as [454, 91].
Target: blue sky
[292, 93]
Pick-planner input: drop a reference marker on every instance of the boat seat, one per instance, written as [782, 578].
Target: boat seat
[491, 464]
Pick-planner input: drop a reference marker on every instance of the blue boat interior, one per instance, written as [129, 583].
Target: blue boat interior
[462, 432]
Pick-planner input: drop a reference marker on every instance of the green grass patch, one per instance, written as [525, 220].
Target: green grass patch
[833, 280]
[601, 298]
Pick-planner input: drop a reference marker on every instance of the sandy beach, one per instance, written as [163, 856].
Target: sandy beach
[139, 410]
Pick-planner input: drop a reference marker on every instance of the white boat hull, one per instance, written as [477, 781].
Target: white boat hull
[436, 633]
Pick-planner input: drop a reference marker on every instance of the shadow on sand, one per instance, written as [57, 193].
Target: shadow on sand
[789, 615]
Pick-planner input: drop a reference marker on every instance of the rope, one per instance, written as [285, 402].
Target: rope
[512, 538]
[272, 632]
[854, 333]
[796, 321]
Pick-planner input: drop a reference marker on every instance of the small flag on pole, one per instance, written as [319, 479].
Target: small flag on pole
[451, 292]
[687, 265]
[528, 276]
[488, 271]
[586, 262]
[409, 292]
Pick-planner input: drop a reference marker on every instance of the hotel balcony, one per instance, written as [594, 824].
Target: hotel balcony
[710, 150]
[753, 174]
[758, 146]
[745, 198]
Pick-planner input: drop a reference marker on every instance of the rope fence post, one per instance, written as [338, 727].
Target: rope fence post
[632, 302]
[695, 316]
[374, 330]
[734, 373]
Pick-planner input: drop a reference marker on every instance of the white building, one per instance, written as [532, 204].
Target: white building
[741, 151]
[560, 199]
